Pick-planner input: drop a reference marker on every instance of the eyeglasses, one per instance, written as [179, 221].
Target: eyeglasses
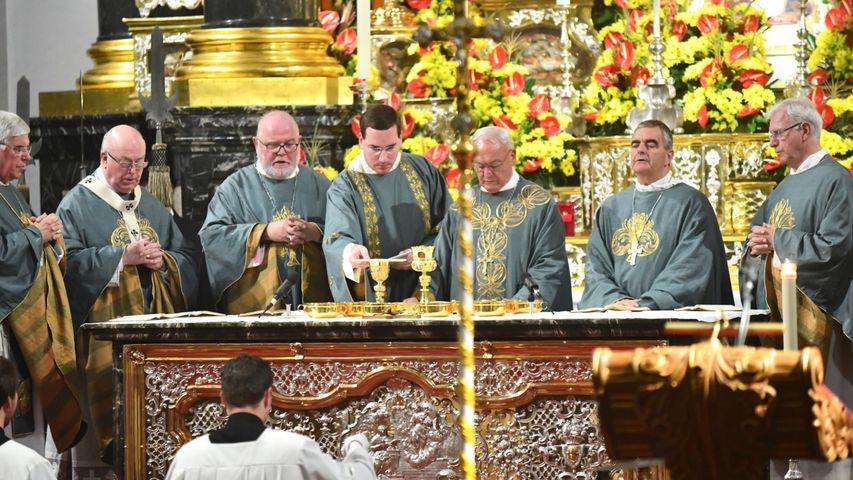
[492, 167]
[782, 131]
[127, 164]
[288, 147]
[377, 150]
[19, 149]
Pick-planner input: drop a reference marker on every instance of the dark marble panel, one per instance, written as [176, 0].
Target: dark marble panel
[260, 13]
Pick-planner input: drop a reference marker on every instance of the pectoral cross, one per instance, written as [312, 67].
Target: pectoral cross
[634, 250]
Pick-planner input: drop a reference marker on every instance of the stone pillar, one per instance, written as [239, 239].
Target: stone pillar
[260, 13]
[112, 52]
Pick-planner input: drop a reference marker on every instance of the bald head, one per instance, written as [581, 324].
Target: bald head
[274, 121]
[123, 158]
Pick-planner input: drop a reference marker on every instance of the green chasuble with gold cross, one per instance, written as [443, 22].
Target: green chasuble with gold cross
[244, 271]
[516, 231]
[387, 214]
[671, 259]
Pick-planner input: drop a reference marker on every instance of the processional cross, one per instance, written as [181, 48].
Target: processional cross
[634, 251]
[460, 32]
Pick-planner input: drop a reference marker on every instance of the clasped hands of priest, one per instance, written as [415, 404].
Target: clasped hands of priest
[49, 225]
[760, 239]
[292, 231]
[144, 252]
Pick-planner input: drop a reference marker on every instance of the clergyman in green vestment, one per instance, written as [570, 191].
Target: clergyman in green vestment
[517, 231]
[384, 203]
[126, 256]
[265, 220]
[36, 328]
[657, 243]
[808, 220]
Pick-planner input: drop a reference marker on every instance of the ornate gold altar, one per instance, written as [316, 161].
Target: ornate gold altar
[719, 413]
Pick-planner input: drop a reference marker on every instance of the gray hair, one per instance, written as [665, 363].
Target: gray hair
[799, 110]
[495, 135]
[664, 130]
[11, 125]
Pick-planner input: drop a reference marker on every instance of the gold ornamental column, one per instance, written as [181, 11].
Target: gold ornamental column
[112, 52]
[265, 52]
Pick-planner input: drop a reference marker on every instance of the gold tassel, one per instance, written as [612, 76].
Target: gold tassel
[159, 176]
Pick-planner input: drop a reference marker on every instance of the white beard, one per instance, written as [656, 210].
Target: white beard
[273, 172]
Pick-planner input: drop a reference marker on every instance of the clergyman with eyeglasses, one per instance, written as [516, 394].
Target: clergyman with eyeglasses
[265, 221]
[517, 231]
[36, 330]
[384, 203]
[126, 256]
[808, 220]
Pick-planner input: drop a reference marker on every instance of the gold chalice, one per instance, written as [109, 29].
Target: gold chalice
[423, 261]
[379, 271]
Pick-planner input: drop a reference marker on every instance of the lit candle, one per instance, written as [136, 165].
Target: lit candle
[656, 8]
[363, 34]
[789, 305]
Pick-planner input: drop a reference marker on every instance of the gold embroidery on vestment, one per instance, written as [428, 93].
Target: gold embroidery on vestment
[417, 188]
[782, 215]
[371, 216]
[121, 237]
[636, 231]
[286, 250]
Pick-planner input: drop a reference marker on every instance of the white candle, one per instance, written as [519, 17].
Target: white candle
[789, 305]
[363, 34]
[656, 8]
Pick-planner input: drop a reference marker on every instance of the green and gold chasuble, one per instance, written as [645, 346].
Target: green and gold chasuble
[516, 231]
[99, 224]
[244, 271]
[663, 248]
[387, 214]
[34, 305]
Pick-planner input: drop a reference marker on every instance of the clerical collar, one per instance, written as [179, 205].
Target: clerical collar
[240, 427]
[359, 164]
[509, 185]
[667, 182]
[99, 174]
[810, 161]
[262, 173]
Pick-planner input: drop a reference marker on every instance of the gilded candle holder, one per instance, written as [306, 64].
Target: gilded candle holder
[379, 270]
[424, 262]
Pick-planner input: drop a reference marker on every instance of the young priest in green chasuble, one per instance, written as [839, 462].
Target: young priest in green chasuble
[384, 203]
[126, 256]
[517, 231]
[34, 316]
[657, 243]
[265, 220]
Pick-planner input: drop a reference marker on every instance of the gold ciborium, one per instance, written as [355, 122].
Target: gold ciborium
[423, 261]
[379, 271]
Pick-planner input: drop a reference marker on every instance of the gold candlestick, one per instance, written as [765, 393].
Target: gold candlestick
[379, 271]
[424, 262]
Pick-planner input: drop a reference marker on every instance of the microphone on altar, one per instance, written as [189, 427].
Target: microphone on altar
[281, 291]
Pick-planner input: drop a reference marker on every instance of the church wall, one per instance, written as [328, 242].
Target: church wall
[46, 40]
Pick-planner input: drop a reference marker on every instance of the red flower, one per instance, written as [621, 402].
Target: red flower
[749, 78]
[818, 77]
[606, 75]
[679, 29]
[407, 124]
[771, 164]
[393, 101]
[418, 4]
[418, 88]
[817, 96]
[639, 75]
[550, 125]
[750, 24]
[737, 53]
[330, 19]
[355, 125]
[302, 156]
[623, 4]
[531, 165]
[346, 41]
[612, 39]
[474, 78]
[538, 105]
[721, 3]
[826, 114]
[708, 77]
[497, 57]
[747, 111]
[591, 116]
[835, 19]
[513, 85]
[452, 177]
[707, 24]
[702, 116]
[634, 19]
[504, 122]
[437, 154]
[847, 7]
[624, 55]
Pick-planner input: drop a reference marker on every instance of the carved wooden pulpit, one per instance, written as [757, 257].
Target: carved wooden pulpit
[714, 412]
